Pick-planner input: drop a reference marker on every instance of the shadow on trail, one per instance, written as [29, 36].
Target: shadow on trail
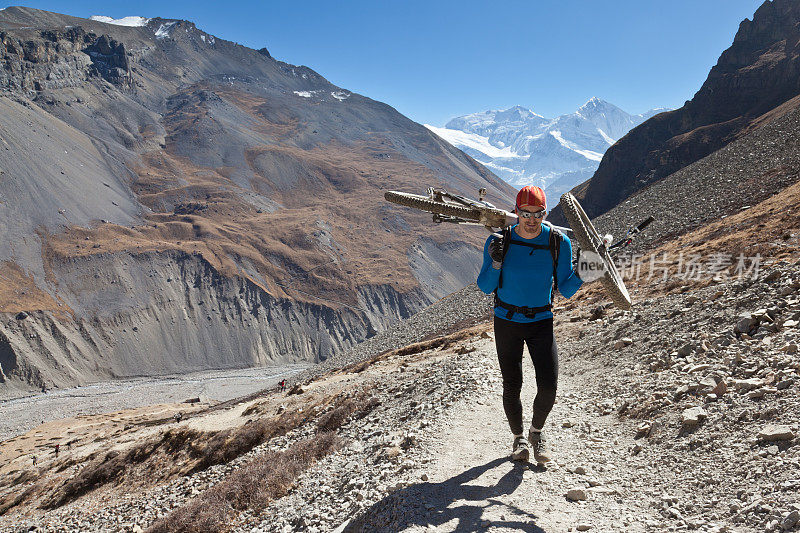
[427, 504]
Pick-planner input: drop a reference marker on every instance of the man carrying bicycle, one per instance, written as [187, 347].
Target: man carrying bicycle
[524, 268]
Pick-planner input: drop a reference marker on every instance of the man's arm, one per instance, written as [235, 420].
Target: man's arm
[489, 276]
[568, 280]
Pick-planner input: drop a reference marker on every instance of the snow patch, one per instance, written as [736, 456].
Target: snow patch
[588, 154]
[340, 95]
[124, 21]
[605, 136]
[203, 37]
[163, 30]
[305, 94]
[461, 139]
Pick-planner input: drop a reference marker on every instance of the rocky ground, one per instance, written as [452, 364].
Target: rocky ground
[683, 414]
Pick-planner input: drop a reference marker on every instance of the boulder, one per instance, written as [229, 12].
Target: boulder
[576, 495]
[720, 389]
[746, 323]
[774, 432]
[686, 350]
[625, 341]
[693, 417]
[745, 385]
[790, 520]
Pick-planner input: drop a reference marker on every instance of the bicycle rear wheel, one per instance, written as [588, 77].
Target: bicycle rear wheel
[424, 203]
[590, 240]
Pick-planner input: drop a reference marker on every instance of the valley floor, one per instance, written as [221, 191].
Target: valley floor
[19, 415]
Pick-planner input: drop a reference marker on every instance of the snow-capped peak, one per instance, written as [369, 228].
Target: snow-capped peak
[596, 104]
[525, 148]
[517, 112]
[124, 21]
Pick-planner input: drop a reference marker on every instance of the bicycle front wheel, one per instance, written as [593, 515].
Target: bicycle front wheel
[424, 203]
[590, 240]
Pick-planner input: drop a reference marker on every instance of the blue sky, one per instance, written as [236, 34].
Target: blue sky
[434, 60]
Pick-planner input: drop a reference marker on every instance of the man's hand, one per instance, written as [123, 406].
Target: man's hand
[496, 250]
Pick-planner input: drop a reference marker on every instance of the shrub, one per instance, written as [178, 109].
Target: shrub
[251, 488]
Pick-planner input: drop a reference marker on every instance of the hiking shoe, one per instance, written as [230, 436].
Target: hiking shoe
[520, 451]
[541, 451]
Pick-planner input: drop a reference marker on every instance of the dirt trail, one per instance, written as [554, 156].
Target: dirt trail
[471, 484]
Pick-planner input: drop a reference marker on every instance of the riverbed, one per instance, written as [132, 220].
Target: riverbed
[20, 415]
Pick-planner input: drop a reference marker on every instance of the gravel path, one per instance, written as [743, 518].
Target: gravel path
[470, 484]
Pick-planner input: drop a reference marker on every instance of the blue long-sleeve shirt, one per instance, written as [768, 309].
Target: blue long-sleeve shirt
[528, 275]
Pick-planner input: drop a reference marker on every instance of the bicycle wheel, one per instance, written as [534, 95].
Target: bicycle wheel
[589, 239]
[426, 204]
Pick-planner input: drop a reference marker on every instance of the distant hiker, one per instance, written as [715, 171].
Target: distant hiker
[523, 268]
[178, 416]
[33, 457]
[283, 385]
[57, 447]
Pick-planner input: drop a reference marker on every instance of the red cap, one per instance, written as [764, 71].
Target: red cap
[533, 196]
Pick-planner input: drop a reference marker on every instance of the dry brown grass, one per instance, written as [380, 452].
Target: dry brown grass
[179, 451]
[18, 291]
[358, 407]
[251, 488]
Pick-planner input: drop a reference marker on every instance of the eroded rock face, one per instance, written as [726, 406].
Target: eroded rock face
[760, 71]
[58, 59]
[109, 59]
[53, 60]
[173, 313]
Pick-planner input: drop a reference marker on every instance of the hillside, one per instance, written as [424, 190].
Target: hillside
[172, 202]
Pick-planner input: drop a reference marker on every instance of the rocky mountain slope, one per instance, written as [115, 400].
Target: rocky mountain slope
[172, 201]
[698, 430]
[756, 75]
[681, 414]
[525, 148]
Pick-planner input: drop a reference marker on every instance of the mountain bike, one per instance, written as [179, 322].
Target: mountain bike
[457, 209]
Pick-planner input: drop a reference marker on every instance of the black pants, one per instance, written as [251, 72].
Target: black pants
[509, 338]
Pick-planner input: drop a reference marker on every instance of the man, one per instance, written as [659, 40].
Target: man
[521, 274]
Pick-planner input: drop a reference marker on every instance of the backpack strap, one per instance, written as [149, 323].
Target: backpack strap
[506, 245]
[555, 247]
[528, 312]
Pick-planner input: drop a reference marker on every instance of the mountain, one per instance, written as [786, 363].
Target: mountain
[525, 148]
[172, 201]
[757, 74]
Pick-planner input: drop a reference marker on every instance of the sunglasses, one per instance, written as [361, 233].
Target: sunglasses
[528, 214]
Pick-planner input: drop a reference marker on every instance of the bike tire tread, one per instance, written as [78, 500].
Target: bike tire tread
[583, 229]
[425, 204]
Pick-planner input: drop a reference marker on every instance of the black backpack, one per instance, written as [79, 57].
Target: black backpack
[554, 245]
